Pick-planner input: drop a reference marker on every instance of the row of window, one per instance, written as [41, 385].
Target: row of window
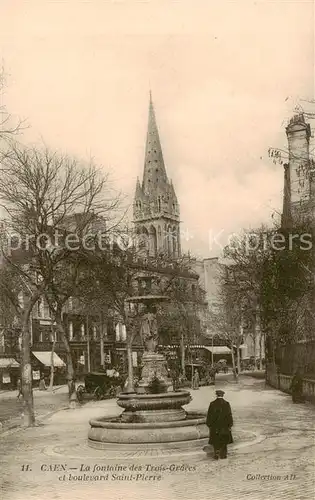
[48, 336]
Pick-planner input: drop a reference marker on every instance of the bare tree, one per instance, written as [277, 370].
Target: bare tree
[17, 285]
[268, 279]
[243, 278]
[9, 127]
[51, 201]
[180, 318]
[227, 320]
[112, 276]
[113, 280]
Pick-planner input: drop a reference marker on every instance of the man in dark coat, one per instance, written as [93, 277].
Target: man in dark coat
[220, 420]
[297, 387]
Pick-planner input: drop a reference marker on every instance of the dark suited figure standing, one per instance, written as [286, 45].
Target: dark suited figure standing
[297, 387]
[220, 420]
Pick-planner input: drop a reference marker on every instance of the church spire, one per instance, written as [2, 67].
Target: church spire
[154, 175]
[155, 206]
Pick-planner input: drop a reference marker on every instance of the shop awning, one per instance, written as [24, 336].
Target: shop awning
[8, 363]
[218, 349]
[45, 358]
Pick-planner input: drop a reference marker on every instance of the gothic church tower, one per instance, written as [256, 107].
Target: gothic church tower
[155, 207]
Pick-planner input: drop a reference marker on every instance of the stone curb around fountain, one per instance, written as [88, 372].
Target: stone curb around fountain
[133, 452]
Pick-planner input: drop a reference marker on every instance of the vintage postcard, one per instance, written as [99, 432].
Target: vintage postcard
[157, 231]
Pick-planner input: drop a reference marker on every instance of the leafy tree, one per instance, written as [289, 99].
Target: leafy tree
[180, 318]
[116, 274]
[241, 285]
[268, 280]
[287, 292]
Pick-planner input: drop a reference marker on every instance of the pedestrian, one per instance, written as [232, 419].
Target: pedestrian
[42, 385]
[196, 380]
[297, 387]
[220, 421]
[175, 379]
[181, 380]
[19, 388]
[212, 373]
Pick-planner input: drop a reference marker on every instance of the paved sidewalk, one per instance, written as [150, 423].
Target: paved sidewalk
[272, 457]
[45, 402]
[4, 395]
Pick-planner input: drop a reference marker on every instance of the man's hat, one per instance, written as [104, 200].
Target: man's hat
[220, 393]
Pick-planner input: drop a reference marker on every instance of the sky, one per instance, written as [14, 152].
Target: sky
[225, 78]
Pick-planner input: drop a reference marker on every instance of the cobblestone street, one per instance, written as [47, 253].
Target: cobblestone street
[272, 438]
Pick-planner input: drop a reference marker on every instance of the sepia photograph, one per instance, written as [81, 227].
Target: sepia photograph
[157, 249]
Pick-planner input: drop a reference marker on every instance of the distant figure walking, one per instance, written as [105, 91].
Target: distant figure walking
[19, 388]
[195, 384]
[175, 378]
[220, 421]
[212, 373]
[42, 385]
[297, 387]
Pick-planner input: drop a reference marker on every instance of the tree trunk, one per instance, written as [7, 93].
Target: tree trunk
[258, 335]
[260, 352]
[26, 368]
[88, 344]
[238, 360]
[273, 355]
[73, 400]
[254, 339]
[235, 375]
[52, 368]
[130, 384]
[182, 355]
[102, 341]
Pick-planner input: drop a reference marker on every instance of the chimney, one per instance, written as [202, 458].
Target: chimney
[298, 134]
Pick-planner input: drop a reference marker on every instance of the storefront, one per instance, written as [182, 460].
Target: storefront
[218, 353]
[41, 365]
[9, 373]
[198, 354]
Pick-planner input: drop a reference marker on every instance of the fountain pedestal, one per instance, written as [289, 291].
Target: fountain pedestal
[154, 366]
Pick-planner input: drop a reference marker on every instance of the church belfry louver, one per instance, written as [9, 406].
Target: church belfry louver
[155, 208]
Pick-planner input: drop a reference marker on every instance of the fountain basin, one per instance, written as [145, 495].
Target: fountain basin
[165, 400]
[107, 432]
[146, 408]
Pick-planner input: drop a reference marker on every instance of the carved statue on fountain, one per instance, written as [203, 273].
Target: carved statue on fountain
[149, 331]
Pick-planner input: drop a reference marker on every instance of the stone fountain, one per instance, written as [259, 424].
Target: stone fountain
[155, 419]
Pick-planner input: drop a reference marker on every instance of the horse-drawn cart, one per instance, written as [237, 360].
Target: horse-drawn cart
[100, 386]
